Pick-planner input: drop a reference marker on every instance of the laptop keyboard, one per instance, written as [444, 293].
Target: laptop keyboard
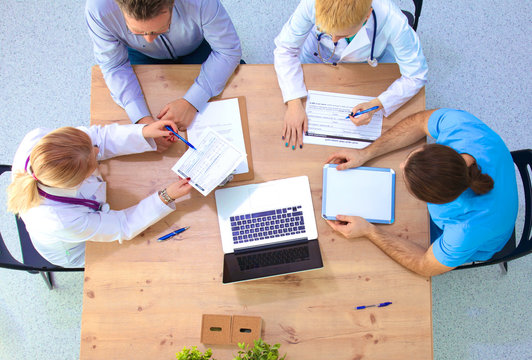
[274, 257]
[267, 224]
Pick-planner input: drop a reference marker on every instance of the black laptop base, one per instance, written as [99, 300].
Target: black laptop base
[279, 260]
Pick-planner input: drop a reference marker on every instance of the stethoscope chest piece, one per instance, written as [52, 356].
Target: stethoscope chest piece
[373, 62]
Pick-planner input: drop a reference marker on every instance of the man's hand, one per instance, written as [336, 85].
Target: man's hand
[162, 142]
[351, 226]
[364, 119]
[180, 111]
[348, 159]
[295, 124]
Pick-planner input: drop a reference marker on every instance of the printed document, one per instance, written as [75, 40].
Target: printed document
[213, 161]
[224, 117]
[327, 124]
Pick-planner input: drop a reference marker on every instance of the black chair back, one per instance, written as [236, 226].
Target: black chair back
[512, 249]
[414, 19]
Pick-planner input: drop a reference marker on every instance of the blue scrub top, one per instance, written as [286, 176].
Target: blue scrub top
[474, 227]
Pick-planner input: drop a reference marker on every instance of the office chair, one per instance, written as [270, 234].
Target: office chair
[32, 261]
[513, 250]
[413, 19]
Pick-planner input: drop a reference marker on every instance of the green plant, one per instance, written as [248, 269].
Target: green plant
[194, 354]
[261, 351]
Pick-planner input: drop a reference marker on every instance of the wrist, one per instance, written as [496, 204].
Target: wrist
[165, 197]
[145, 120]
[294, 103]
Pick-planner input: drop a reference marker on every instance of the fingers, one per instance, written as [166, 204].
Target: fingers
[336, 158]
[344, 166]
[300, 137]
[163, 111]
[170, 123]
[363, 119]
[283, 132]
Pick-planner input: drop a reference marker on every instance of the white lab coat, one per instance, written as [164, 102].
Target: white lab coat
[59, 231]
[395, 41]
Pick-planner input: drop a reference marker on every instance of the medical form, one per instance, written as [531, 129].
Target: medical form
[213, 161]
[327, 123]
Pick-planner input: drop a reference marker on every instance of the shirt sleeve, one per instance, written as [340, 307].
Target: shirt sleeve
[452, 248]
[116, 140]
[406, 49]
[112, 57]
[115, 225]
[288, 47]
[226, 53]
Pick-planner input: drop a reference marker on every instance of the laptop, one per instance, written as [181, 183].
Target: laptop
[267, 229]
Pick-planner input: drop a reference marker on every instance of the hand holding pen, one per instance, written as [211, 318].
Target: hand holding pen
[180, 137]
[361, 114]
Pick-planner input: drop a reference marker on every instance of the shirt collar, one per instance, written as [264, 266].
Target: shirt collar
[58, 191]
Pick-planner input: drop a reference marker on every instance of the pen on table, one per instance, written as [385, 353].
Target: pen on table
[173, 233]
[180, 137]
[362, 112]
[377, 305]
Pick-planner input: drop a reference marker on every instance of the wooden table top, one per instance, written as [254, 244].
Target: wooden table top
[144, 299]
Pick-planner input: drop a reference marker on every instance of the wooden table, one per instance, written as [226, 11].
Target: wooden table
[145, 300]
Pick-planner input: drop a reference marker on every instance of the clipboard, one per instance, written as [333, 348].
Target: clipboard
[245, 132]
[368, 192]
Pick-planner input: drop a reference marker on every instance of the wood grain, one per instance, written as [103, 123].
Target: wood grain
[145, 299]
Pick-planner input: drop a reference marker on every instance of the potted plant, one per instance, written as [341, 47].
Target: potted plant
[260, 351]
[194, 354]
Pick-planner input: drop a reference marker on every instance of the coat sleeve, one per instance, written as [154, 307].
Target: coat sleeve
[406, 49]
[288, 47]
[115, 225]
[116, 140]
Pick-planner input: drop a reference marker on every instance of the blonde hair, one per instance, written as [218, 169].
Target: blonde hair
[333, 16]
[62, 159]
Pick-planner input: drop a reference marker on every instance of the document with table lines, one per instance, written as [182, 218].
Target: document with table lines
[327, 124]
[222, 116]
[213, 161]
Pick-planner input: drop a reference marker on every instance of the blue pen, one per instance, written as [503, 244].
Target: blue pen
[180, 137]
[362, 112]
[173, 233]
[368, 306]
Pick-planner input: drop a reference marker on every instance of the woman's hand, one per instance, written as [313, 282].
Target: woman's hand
[179, 188]
[364, 119]
[157, 129]
[295, 124]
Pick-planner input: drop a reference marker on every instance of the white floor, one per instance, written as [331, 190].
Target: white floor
[479, 60]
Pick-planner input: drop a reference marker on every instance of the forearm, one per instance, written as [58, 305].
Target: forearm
[407, 253]
[404, 133]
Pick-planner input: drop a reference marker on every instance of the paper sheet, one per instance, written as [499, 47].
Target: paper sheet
[224, 117]
[327, 124]
[214, 160]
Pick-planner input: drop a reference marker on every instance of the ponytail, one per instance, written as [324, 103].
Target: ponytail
[478, 182]
[22, 193]
[438, 174]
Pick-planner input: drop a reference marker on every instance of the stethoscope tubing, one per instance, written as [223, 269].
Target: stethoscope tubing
[371, 60]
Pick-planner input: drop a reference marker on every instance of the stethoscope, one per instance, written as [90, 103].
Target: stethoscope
[371, 60]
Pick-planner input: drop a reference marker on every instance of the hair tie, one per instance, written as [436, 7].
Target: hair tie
[28, 170]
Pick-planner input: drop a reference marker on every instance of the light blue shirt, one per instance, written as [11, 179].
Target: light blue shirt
[192, 21]
[475, 227]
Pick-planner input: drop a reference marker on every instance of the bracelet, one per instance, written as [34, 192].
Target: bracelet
[167, 199]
